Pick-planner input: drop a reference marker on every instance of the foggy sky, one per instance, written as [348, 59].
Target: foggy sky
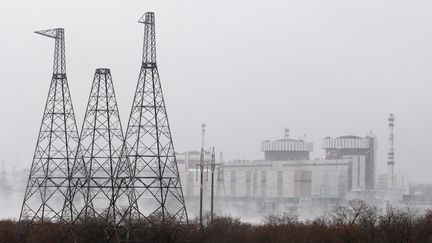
[247, 68]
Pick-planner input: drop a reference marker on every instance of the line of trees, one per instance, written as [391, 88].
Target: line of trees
[355, 222]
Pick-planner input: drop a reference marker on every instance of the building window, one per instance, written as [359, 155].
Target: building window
[233, 183]
[280, 183]
[254, 190]
[248, 183]
[302, 183]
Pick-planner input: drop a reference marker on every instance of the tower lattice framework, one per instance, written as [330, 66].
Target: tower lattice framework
[100, 144]
[56, 146]
[151, 169]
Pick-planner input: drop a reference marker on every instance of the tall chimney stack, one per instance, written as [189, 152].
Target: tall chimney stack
[390, 164]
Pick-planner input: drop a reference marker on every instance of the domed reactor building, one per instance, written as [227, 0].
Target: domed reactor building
[286, 149]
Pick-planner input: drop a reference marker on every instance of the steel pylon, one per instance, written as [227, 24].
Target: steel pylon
[150, 171]
[220, 176]
[93, 173]
[98, 155]
[55, 150]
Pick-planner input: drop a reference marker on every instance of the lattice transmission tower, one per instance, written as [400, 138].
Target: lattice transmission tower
[220, 191]
[56, 146]
[98, 155]
[151, 170]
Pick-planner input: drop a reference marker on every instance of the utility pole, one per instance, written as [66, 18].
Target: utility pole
[212, 163]
[212, 168]
[201, 165]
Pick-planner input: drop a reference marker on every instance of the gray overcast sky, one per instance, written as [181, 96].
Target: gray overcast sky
[247, 68]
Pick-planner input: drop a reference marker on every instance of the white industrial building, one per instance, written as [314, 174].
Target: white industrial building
[358, 172]
[280, 179]
[362, 148]
[286, 148]
[286, 177]
[401, 182]
[287, 172]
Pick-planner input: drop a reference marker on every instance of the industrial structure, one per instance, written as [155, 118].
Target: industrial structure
[391, 183]
[347, 146]
[286, 177]
[149, 177]
[101, 140]
[286, 148]
[101, 174]
[289, 180]
[49, 179]
[121, 179]
[203, 126]
[392, 186]
[287, 172]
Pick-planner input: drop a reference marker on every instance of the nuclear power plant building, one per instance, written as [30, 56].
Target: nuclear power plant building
[286, 149]
[287, 175]
[362, 150]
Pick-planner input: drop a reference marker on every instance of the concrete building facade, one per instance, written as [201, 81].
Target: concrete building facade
[338, 148]
[276, 179]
